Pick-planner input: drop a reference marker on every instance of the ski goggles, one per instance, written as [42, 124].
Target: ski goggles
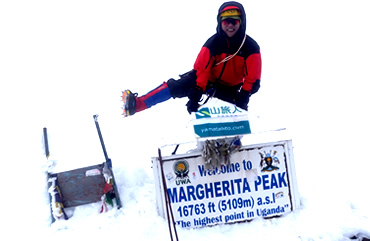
[233, 21]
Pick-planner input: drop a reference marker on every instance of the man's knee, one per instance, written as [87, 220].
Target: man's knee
[180, 88]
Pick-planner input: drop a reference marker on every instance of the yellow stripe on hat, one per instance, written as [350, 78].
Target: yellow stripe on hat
[230, 13]
[233, 17]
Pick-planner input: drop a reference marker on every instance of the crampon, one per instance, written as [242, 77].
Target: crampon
[129, 103]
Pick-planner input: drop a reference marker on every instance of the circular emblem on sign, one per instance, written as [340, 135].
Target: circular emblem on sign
[181, 168]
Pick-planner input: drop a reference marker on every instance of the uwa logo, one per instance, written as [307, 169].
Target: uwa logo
[181, 170]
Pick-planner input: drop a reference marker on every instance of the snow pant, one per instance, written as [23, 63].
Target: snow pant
[172, 88]
[180, 88]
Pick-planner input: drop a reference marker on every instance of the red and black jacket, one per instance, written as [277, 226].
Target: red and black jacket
[243, 69]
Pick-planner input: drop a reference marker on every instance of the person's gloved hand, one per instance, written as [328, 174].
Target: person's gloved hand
[194, 97]
[242, 99]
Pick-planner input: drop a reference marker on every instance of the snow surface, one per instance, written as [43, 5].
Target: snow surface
[64, 61]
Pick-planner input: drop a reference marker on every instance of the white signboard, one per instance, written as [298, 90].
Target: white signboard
[219, 118]
[259, 182]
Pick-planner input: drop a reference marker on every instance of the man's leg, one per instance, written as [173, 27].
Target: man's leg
[181, 87]
[157, 95]
[172, 88]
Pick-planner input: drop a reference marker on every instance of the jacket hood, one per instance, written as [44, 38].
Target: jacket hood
[238, 38]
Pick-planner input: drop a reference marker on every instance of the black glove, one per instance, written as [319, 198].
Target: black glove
[194, 97]
[242, 99]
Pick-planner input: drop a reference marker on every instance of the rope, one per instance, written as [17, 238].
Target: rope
[232, 56]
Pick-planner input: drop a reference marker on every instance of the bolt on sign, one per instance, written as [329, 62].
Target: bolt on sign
[260, 181]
